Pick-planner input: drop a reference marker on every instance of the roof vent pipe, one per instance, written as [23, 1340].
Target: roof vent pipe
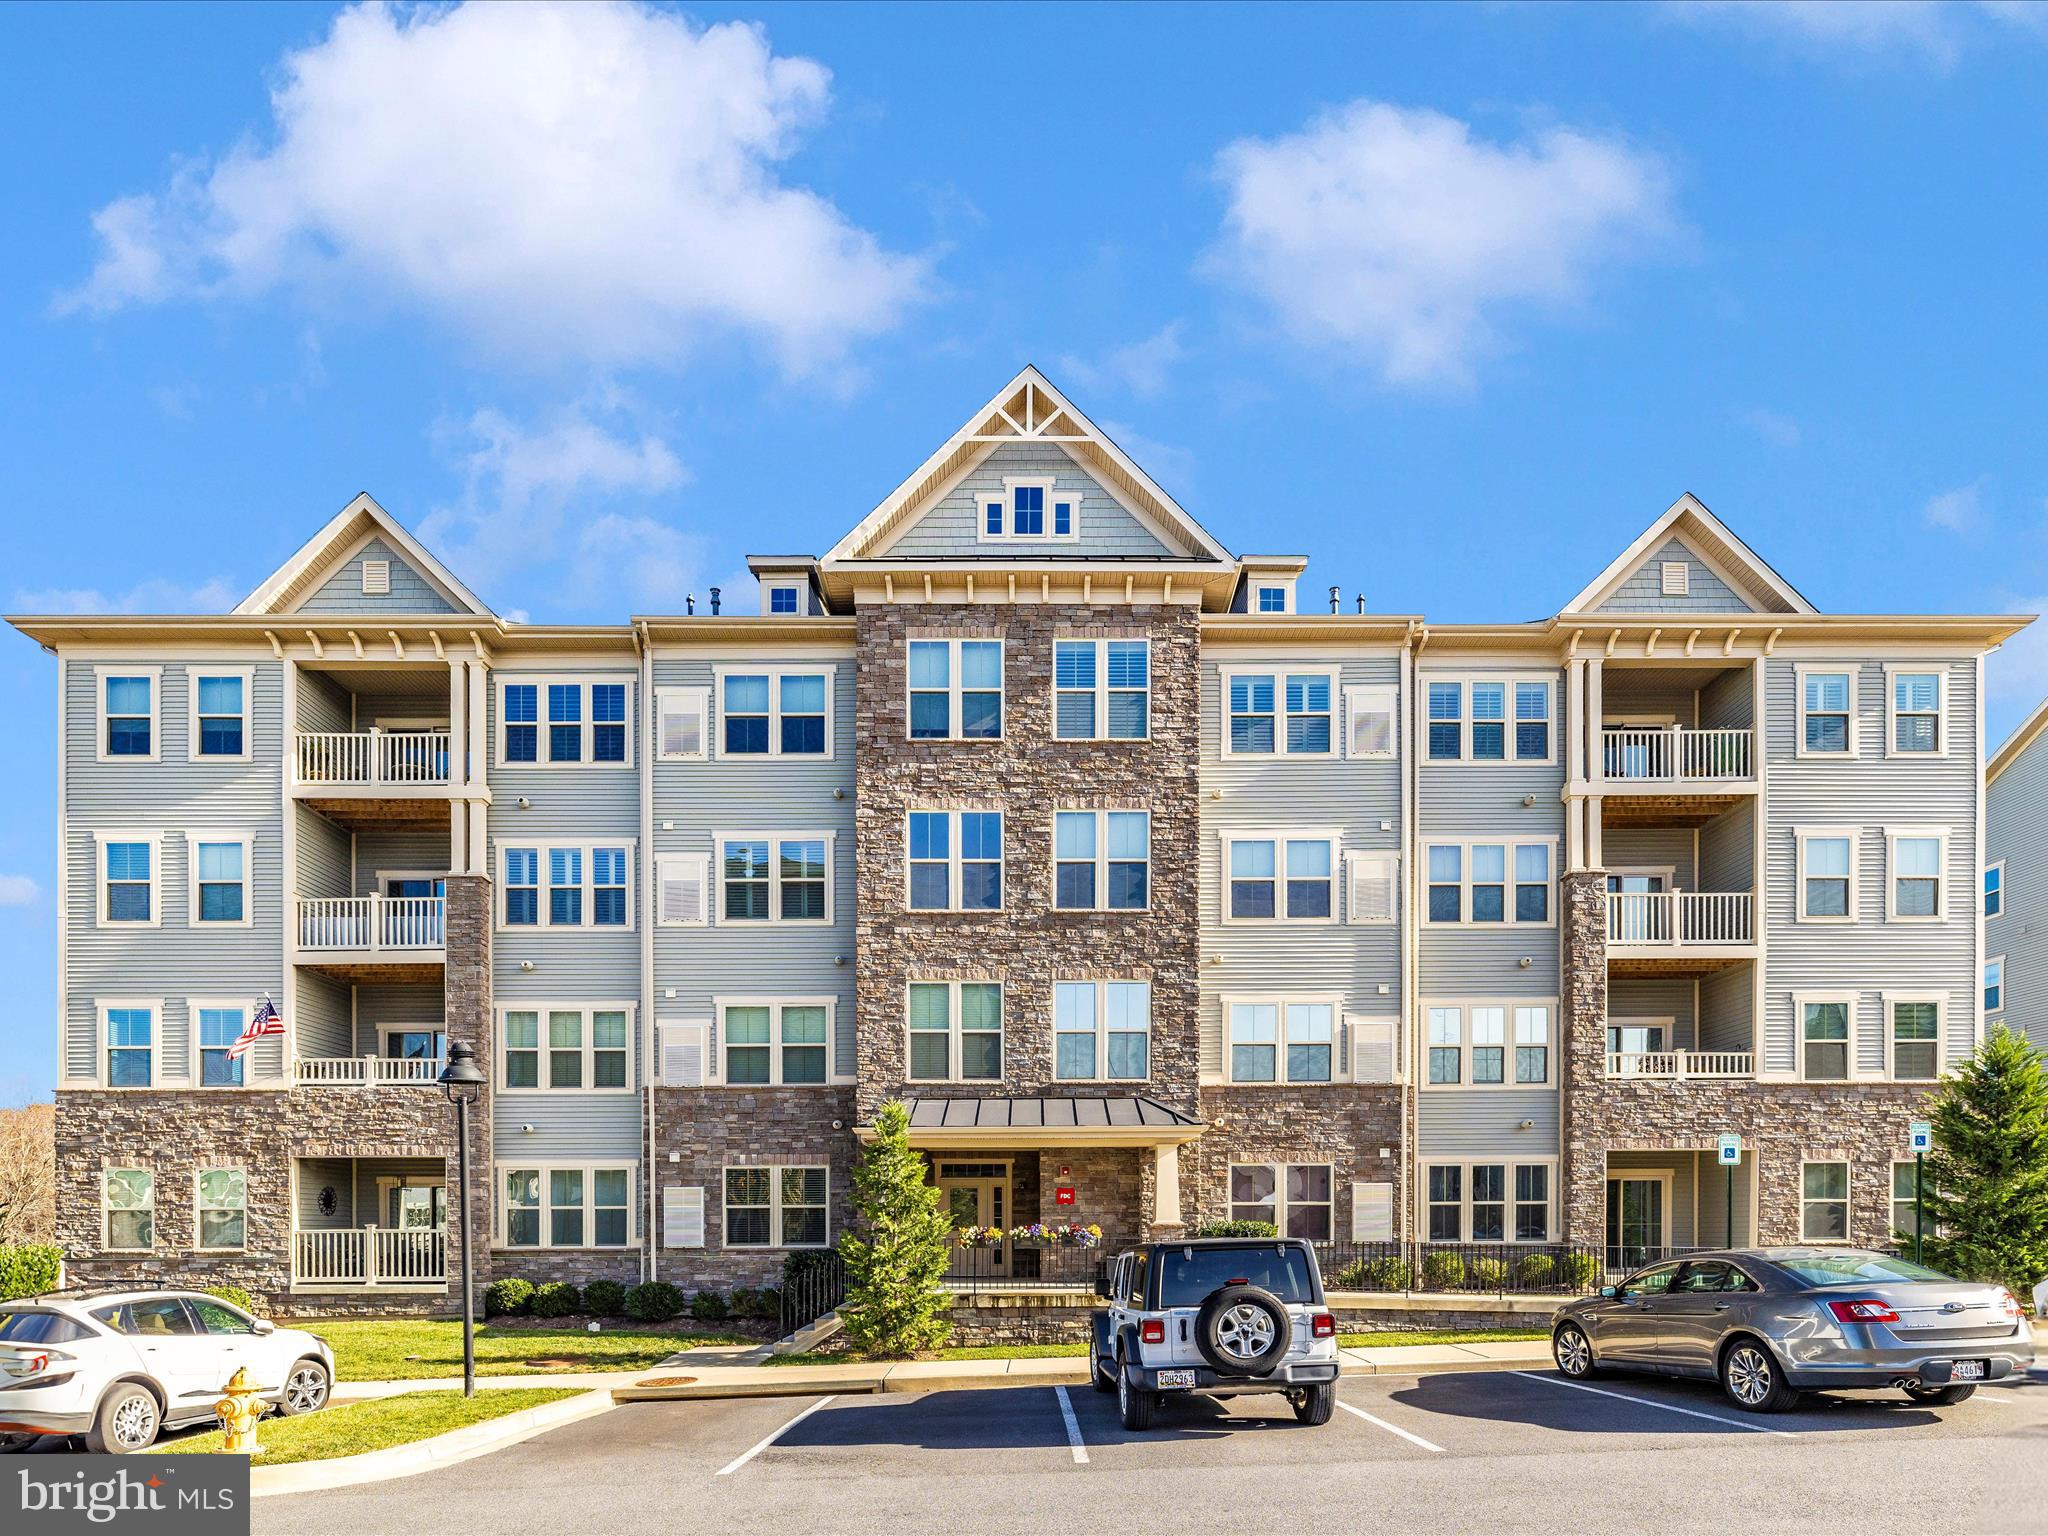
[1336, 600]
[690, 603]
[1361, 602]
[714, 602]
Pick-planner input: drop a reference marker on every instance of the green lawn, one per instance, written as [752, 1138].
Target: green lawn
[420, 1348]
[1066, 1351]
[1443, 1336]
[354, 1428]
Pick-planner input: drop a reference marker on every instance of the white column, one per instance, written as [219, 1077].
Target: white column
[1596, 741]
[478, 736]
[1594, 857]
[1575, 709]
[1166, 1186]
[477, 863]
[458, 725]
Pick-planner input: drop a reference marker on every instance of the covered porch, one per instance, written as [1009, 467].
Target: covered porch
[1665, 1204]
[369, 1225]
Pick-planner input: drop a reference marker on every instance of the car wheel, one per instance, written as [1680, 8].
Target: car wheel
[1573, 1352]
[305, 1388]
[1097, 1377]
[1752, 1380]
[1317, 1403]
[127, 1421]
[11, 1443]
[1134, 1405]
[1941, 1397]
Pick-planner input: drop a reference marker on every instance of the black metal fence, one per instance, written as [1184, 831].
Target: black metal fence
[1008, 1266]
[1494, 1269]
[812, 1285]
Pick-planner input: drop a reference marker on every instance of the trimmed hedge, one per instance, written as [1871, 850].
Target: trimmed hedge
[1580, 1271]
[654, 1301]
[556, 1298]
[29, 1269]
[1236, 1229]
[1442, 1271]
[234, 1295]
[1536, 1271]
[604, 1298]
[507, 1297]
[708, 1307]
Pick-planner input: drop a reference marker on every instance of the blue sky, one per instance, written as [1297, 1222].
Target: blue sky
[1454, 300]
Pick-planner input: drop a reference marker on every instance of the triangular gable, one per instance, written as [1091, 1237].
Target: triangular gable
[1028, 416]
[1724, 574]
[325, 575]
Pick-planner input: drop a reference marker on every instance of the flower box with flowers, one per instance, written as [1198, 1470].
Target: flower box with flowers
[1072, 1234]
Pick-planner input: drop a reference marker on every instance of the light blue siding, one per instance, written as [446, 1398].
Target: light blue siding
[410, 591]
[948, 531]
[2016, 831]
[1642, 591]
[1487, 1123]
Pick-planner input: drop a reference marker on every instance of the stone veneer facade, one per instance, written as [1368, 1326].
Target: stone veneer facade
[1344, 1125]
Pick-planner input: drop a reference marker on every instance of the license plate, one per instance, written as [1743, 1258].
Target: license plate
[1176, 1378]
[1966, 1370]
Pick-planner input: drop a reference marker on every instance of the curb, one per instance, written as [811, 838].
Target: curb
[457, 1445]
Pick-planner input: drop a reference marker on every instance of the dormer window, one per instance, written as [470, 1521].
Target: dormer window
[785, 600]
[1031, 507]
[1272, 599]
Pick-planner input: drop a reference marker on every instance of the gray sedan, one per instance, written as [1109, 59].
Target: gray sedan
[1770, 1323]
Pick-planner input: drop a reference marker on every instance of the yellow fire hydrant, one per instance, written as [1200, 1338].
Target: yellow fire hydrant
[238, 1410]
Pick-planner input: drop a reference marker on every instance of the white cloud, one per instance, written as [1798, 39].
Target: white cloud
[1143, 367]
[1395, 237]
[1956, 510]
[1172, 468]
[640, 558]
[18, 891]
[1936, 30]
[217, 595]
[596, 182]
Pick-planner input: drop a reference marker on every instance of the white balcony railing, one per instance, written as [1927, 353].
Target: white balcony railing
[365, 1071]
[376, 923]
[374, 757]
[1681, 1064]
[368, 1257]
[1680, 918]
[1655, 754]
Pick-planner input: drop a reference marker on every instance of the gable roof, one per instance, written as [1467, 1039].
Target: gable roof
[317, 559]
[2017, 742]
[1742, 568]
[1028, 410]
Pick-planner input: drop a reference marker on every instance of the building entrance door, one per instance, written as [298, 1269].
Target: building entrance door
[978, 1195]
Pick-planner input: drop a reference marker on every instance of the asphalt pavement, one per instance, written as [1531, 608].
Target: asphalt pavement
[1500, 1451]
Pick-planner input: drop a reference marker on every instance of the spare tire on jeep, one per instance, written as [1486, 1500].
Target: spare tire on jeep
[1243, 1330]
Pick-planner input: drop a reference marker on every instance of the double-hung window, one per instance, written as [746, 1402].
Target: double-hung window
[1824, 1202]
[1994, 889]
[585, 886]
[956, 690]
[1916, 710]
[1532, 1043]
[1101, 1030]
[522, 887]
[1486, 883]
[520, 708]
[1916, 887]
[1827, 874]
[954, 1032]
[776, 1040]
[1101, 860]
[129, 1203]
[1994, 984]
[775, 711]
[775, 877]
[1281, 713]
[561, 720]
[565, 723]
[219, 719]
[1827, 712]
[221, 1204]
[1532, 722]
[1489, 1045]
[1489, 720]
[130, 1044]
[955, 861]
[581, 1206]
[1532, 1202]
[1914, 1040]
[607, 722]
[1446, 1202]
[1296, 1198]
[1281, 1039]
[776, 1207]
[1825, 1051]
[1280, 877]
[1102, 690]
[128, 700]
[220, 879]
[1446, 1044]
[608, 887]
[1487, 1028]
[1487, 1202]
[219, 1027]
[128, 873]
[566, 1048]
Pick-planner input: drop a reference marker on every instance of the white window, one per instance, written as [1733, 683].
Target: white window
[1489, 720]
[554, 721]
[776, 1207]
[1824, 1202]
[220, 1208]
[565, 1047]
[1280, 877]
[1994, 889]
[1102, 1031]
[1913, 1036]
[1102, 860]
[1371, 723]
[780, 1040]
[584, 1205]
[216, 1026]
[1487, 1202]
[1915, 698]
[955, 861]
[1827, 1051]
[684, 719]
[128, 1041]
[1029, 507]
[956, 689]
[682, 890]
[1827, 711]
[376, 578]
[1272, 597]
[1102, 690]
[1994, 984]
[1677, 578]
[128, 1208]
[785, 600]
[1486, 883]
[1281, 1039]
[954, 1032]
[556, 886]
[1297, 1198]
[217, 713]
[1916, 885]
[1283, 712]
[129, 700]
[128, 878]
[1827, 874]
[775, 877]
[218, 874]
[1372, 887]
[775, 712]
[1489, 1044]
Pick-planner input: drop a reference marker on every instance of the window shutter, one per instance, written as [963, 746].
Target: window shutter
[1373, 879]
[682, 1216]
[686, 1060]
[1370, 716]
[1372, 1050]
[683, 887]
[1372, 1213]
[683, 722]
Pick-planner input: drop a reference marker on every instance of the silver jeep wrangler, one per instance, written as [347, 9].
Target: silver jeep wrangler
[1218, 1317]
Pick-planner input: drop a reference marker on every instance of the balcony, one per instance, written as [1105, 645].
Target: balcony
[371, 759]
[1681, 1064]
[1679, 932]
[378, 937]
[366, 1071]
[351, 1259]
[1658, 756]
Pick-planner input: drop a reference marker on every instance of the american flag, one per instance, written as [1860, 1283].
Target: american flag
[264, 1021]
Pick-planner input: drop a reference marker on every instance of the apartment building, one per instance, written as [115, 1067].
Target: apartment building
[2015, 874]
[1160, 889]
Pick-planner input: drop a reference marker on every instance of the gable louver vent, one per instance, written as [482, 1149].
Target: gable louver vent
[376, 578]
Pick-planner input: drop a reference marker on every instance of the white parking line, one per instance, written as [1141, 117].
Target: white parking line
[1392, 1429]
[1073, 1427]
[767, 1440]
[1651, 1402]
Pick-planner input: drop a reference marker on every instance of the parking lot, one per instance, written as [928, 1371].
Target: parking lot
[1451, 1452]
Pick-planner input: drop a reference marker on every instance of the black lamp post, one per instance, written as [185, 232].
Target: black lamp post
[463, 1081]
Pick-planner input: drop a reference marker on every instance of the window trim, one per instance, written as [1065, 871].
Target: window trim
[584, 682]
[154, 840]
[1464, 1006]
[1674, 578]
[194, 671]
[955, 686]
[1280, 1208]
[1511, 744]
[195, 1048]
[775, 1003]
[774, 672]
[1279, 672]
[502, 1210]
[1801, 836]
[1009, 535]
[544, 922]
[1102, 860]
[1507, 1165]
[1280, 837]
[1987, 896]
[1939, 672]
[1101, 1031]
[1982, 987]
[587, 1047]
[774, 1207]
[1279, 1001]
[1510, 846]
[247, 842]
[955, 857]
[715, 896]
[1848, 1000]
[198, 1226]
[1940, 1001]
[103, 1079]
[1892, 835]
[768, 591]
[155, 674]
[1800, 672]
[107, 1210]
[1847, 1164]
[1100, 724]
[954, 1057]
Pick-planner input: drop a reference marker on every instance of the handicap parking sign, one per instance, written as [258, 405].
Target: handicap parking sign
[1728, 1150]
[1922, 1134]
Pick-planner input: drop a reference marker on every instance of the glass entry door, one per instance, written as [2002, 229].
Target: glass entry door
[1635, 1220]
[978, 1195]
[419, 1207]
[1636, 919]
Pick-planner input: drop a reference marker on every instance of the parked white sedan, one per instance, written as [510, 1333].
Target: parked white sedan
[118, 1366]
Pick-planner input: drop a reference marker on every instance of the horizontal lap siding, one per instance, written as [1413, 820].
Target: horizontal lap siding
[324, 705]
[1652, 848]
[322, 1173]
[948, 531]
[2016, 830]
[325, 855]
[565, 1127]
[1728, 1010]
[1727, 703]
[343, 591]
[385, 1003]
[1486, 1122]
[322, 1023]
[1643, 589]
[1728, 850]
[410, 850]
[1631, 998]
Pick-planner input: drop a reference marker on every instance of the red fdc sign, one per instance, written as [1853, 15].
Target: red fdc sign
[1063, 1195]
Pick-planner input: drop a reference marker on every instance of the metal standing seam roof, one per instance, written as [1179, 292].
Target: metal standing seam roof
[1044, 1112]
